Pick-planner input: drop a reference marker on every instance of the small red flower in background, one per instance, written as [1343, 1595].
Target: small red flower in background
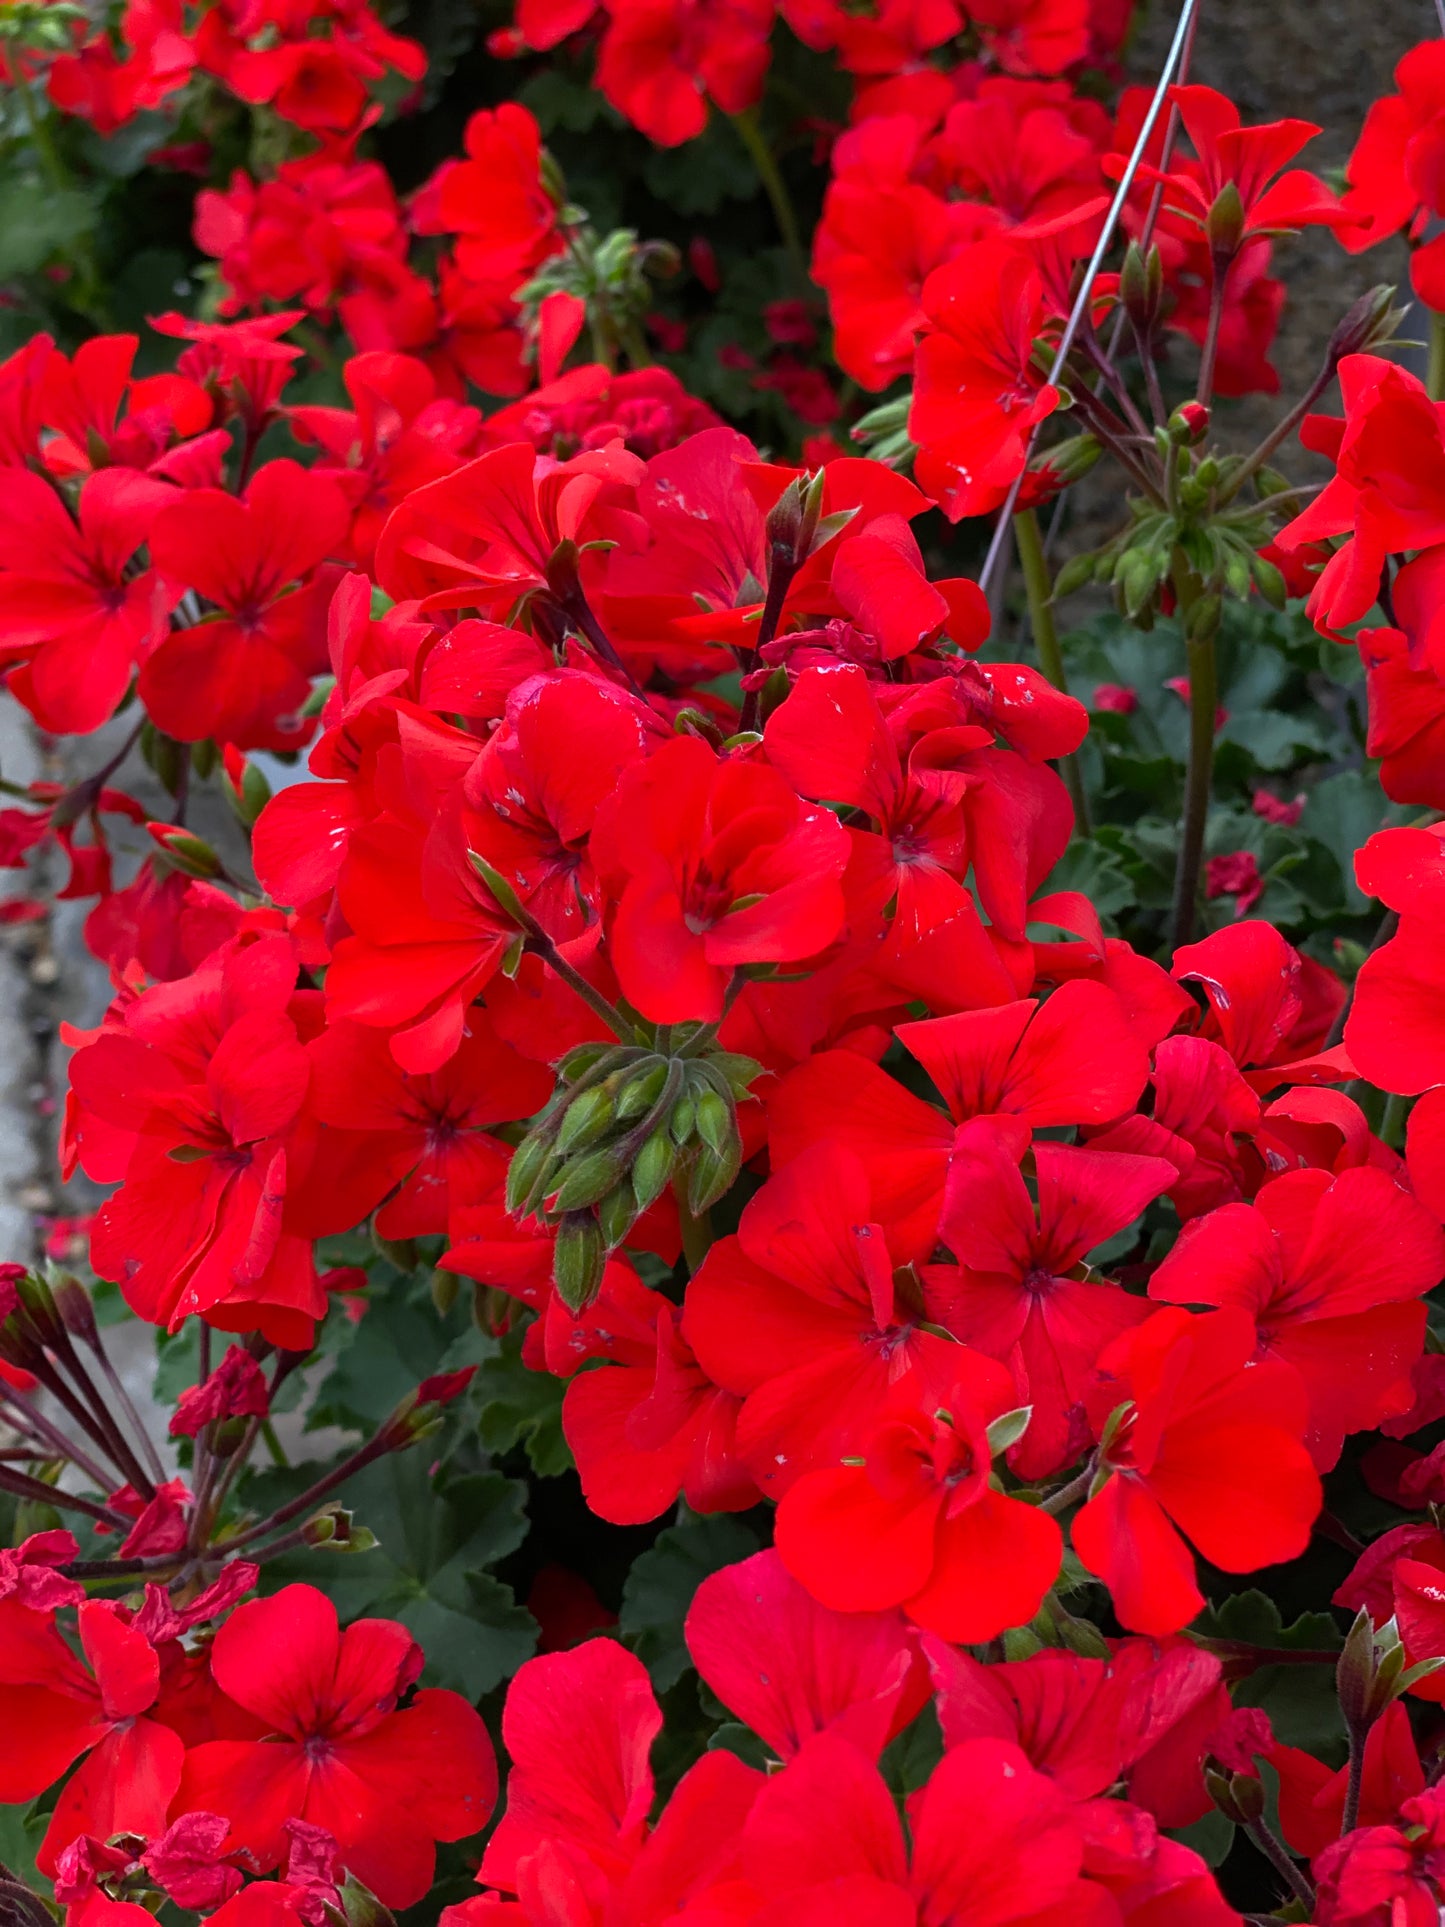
[662, 61]
[1236, 875]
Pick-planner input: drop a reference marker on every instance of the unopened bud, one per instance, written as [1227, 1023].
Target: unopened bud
[360, 1906]
[641, 1091]
[77, 1313]
[1068, 461]
[617, 1214]
[1078, 570]
[586, 1119]
[578, 1260]
[1224, 223]
[41, 1312]
[533, 1164]
[1239, 1796]
[1365, 327]
[334, 1528]
[1238, 574]
[715, 1122]
[1269, 581]
[652, 1168]
[1189, 424]
[247, 790]
[1202, 619]
[1141, 287]
[587, 1180]
[712, 1174]
[792, 521]
[185, 851]
[554, 182]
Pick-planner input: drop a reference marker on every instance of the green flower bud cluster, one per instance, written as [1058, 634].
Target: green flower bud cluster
[33, 26]
[611, 275]
[625, 1122]
[1216, 534]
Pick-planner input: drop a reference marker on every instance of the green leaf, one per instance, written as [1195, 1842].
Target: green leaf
[1211, 1838]
[1253, 1619]
[700, 176]
[562, 100]
[1097, 872]
[401, 1340]
[1342, 813]
[517, 1406]
[436, 1537]
[21, 1831]
[37, 224]
[661, 1585]
[733, 1737]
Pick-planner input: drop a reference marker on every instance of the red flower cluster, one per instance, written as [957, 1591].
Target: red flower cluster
[216, 1753]
[666, 843]
[1009, 1827]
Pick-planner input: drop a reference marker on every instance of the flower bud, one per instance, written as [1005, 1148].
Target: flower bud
[1366, 326]
[1078, 570]
[1203, 617]
[185, 851]
[533, 1167]
[715, 1122]
[246, 788]
[792, 521]
[1189, 424]
[1224, 223]
[588, 1179]
[333, 1528]
[652, 1168]
[77, 1313]
[578, 1260]
[641, 1091]
[1141, 287]
[586, 1119]
[1269, 581]
[617, 1214]
[1238, 1796]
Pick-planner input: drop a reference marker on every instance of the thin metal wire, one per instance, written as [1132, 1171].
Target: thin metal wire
[1096, 261]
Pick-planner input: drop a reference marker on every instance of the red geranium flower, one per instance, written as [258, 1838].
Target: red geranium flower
[1196, 1436]
[977, 395]
[914, 1521]
[243, 676]
[387, 1782]
[713, 863]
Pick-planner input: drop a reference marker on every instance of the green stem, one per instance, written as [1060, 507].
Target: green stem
[1279, 1857]
[774, 186]
[542, 944]
[696, 1231]
[1392, 1124]
[1435, 374]
[1039, 593]
[1203, 701]
[42, 134]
